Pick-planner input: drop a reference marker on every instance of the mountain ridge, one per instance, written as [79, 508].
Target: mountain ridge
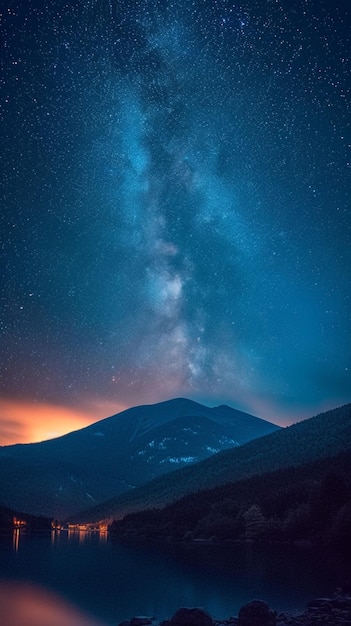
[320, 436]
[116, 454]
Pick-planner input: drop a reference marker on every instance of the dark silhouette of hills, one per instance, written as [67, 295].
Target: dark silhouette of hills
[115, 455]
[322, 436]
[10, 519]
[311, 502]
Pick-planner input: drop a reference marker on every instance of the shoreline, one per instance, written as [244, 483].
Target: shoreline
[332, 610]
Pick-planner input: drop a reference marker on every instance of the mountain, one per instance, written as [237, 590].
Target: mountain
[324, 435]
[64, 475]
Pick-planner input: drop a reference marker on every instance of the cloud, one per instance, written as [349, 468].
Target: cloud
[11, 430]
[26, 422]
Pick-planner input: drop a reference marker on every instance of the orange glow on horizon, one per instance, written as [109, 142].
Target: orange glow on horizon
[30, 422]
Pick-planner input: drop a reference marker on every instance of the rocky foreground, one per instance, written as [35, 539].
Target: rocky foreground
[334, 611]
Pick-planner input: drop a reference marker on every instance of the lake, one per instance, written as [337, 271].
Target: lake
[113, 581]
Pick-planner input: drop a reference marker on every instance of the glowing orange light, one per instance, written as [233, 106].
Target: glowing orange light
[19, 523]
[37, 422]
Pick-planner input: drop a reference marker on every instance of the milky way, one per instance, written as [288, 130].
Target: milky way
[176, 206]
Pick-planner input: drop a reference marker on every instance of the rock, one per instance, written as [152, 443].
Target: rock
[328, 611]
[320, 603]
[335, 611]
[137, 621]
[257, 613]
[191, 617]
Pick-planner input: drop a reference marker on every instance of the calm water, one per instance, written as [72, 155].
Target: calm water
[115, 582]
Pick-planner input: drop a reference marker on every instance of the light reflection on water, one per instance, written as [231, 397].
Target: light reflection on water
[58, 535]
[16, 539]
[113, 582]
[23, 604]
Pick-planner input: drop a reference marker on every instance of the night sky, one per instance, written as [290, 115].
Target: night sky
[175, 208]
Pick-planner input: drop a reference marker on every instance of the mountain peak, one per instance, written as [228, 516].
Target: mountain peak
[121, 452]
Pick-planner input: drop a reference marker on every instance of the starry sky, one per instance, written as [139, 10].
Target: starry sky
[175, 208]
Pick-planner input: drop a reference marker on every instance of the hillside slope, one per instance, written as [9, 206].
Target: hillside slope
[311, 502]
[324, 435]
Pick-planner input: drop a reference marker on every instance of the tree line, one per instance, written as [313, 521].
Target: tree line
[309, 503]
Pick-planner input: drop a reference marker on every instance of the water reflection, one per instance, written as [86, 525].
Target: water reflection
[24, 604]
[16, 539]
[114, 581]
[55, 536]
[85, 535]
[61, 536]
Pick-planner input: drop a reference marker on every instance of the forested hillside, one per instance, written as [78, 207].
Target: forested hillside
[307, 503]
[322, 436]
